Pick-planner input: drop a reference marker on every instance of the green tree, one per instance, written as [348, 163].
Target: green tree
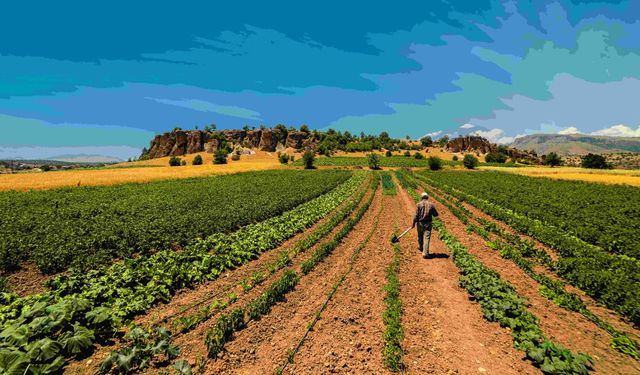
[388, 153]
[197, 160]
[308, 158]
[435, 163]
[418, 156]
[552, 159]
[443, 141]
[220, 157]
[595, 161]
[373, 160]
[470, 161]
[283, 158]
[455, 158]
[304, 129]
[426, 141]
[495, 157]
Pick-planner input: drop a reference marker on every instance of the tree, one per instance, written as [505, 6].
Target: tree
[426, 141]
[283, 158]
[308, 158]
[418, 156]
[495, 157]
[388, 153]
[236, 154]
[210, 128]
[552, 159]
[304, 129]
[435, 163]
[470, 161]
[220, 157]
[197, 160]
[595, 161]
[443, 141]
[455, 158]
[407, 154]
[174, 161]
[373, 160]
[177, 129]
[245, 128]
[46, 168]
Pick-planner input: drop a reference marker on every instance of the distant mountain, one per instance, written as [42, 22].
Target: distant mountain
[576, 144]
[84, 158]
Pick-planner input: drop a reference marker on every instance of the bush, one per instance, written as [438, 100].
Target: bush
[236, 155]
[183, 162]
[407, 153]
[470, 161]
[435, 163]
[46, 168]
[175, 161]
[374, 161]
[197, 160]
[455, 158]
[283, 158]
[388, 153]
[552, 159]
[495, 157]
[426, 141]
[220, 157]
[308, 158]
[595, 161]
[418, 156]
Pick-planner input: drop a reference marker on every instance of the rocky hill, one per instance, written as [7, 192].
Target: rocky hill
[576, 144]
[179, 142]
[481, 145]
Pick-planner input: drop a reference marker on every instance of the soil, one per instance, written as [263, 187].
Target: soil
[27, 280]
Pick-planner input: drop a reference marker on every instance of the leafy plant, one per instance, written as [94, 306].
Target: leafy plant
[175, 161]
[197, 160]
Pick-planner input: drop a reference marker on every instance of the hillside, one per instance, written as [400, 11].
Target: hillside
[576, 144]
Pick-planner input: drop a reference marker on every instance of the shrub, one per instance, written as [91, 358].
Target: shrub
[455, 158]
[197, 160]
[407, 154]
[435, 163]
[308, 158]
[236, 155]
[373, 160]
[470, 161]
[220, 157]
[552, 159]
[595, 161]
[426, 141]
[495, 157]
[183, 162]
[418, 156]
[174, 161]
[283, 158]
[388, 153]
[46, 168]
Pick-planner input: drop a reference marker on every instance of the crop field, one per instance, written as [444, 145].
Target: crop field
[294, 271]
[605, 176]
[390, 161]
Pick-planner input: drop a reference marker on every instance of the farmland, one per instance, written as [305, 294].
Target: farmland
[292, 271]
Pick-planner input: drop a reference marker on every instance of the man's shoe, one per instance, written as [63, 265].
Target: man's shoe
[426, 256]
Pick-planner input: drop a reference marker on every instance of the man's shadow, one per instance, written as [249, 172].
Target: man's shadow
[437, 256]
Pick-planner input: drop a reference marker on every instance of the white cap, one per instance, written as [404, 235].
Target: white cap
[424, 195]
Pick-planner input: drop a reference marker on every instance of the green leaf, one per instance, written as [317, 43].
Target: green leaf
[77, 341]
[183, 367]
[43, 350]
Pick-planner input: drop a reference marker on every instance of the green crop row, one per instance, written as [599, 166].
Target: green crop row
[613, 280]
[607, 216]
[388, 186]
[90, 226]
[500, 303]
[518, 250]
[85, 306]
[393, 333]
[385, 161]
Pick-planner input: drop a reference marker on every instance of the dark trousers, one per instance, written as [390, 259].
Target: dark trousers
[424, 237]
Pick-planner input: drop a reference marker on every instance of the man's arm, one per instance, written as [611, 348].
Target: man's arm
[415, 217]
[434, 212]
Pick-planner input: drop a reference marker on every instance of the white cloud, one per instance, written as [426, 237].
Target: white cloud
[619, 131]
[496, 136]
[467, 126]
[432, 134]
[203, 106]
[570, 130]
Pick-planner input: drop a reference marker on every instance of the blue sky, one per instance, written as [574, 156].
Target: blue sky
[106, 78]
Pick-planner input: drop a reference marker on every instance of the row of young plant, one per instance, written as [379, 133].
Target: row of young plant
[88, 227]
[521, 252]
[137, 358]
[613, 280]
[603, 215]
[334, 289]
[388, 186]
[500, 303]
[393, 333]
[82, 308]
[228, 324]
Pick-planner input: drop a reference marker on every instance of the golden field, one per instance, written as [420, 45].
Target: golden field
[139, 171]
[612, 176]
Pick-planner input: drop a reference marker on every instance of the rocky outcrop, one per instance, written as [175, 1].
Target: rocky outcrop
[211, 146]
[267, 141]
[234, 135]
[161, 145]
[196, 141]
[295, 139]
[180, 144]
[252, 139]
[470, 143]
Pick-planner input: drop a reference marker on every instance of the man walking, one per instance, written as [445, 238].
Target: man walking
[425, 211]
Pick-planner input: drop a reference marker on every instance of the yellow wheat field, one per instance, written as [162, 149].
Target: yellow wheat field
[142, 171]
[613, 176]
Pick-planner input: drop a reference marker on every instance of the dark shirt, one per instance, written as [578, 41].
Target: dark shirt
[425, 211]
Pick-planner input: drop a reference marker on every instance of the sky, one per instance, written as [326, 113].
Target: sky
[80, 77]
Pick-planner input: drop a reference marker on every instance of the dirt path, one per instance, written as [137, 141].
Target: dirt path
[565, 327]
[262, 346]
[445, 333]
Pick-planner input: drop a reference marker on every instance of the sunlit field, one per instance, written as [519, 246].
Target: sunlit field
[613, 176]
